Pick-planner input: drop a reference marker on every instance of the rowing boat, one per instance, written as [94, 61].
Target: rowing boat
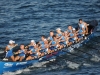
[6, 66]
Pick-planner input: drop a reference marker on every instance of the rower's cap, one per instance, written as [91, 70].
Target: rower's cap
[73, 28]
[32, 41]
[58, 29]
[11, 41]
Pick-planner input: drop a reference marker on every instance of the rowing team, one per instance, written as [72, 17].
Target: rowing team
[47, 45]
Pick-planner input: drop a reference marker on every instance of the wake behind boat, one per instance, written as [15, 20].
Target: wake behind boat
[17, 65]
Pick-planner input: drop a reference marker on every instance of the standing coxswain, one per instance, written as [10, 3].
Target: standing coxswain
[83, 26]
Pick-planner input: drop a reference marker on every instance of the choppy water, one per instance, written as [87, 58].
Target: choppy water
[23, 20]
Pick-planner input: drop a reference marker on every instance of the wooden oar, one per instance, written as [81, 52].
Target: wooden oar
[74, 54]
[96, 40]
[94, 48]
[84, 52]
[93, 57]
[71, 60]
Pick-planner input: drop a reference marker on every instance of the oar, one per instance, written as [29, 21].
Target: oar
[84, 52]
[74, 54]
[71, 63]
[77, 64]
[93, 48]
[93, 57]
[95, 40]
[71, 54]
[70, 60]
[66, 52]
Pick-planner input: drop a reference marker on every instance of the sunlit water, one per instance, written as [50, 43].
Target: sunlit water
[23, 20]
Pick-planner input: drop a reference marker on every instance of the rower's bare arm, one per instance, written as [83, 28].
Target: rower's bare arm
[27, 46]
[86, 25]
[62, 40]
[17, 52]
[54, 44]
[25, 51]
[16, 45]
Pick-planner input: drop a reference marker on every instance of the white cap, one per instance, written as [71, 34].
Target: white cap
[73, 28]
[32, 41]
[58, 29]
[11, 41]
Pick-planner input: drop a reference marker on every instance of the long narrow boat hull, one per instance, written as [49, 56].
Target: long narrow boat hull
[6, 66]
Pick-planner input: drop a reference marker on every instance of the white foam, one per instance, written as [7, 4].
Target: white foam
[70, 49]
[95, 58]
[39, 64]
[87, 65]
[73, 65]
[1, 51]
[27, 70]
[53, 67]
[13, 73]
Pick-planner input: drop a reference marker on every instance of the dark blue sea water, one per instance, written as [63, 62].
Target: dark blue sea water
[24, 20]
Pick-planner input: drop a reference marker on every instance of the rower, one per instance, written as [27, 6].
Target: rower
[83, 26]
[75, 35]
[43, 40]
[35, 52]
[51, 36]
[21, 53]
[31, 51]
[70, 29]
[66, 35]
[71, 38]
[80, 35]
[64, 40]
[32, 43]
[8, 50]
[59, 33]
[38, 53]
[44, 45]
[55, 44]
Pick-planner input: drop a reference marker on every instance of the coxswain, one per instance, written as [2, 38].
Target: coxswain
[83, 26]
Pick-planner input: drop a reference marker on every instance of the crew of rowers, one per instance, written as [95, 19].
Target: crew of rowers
[47, 45]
